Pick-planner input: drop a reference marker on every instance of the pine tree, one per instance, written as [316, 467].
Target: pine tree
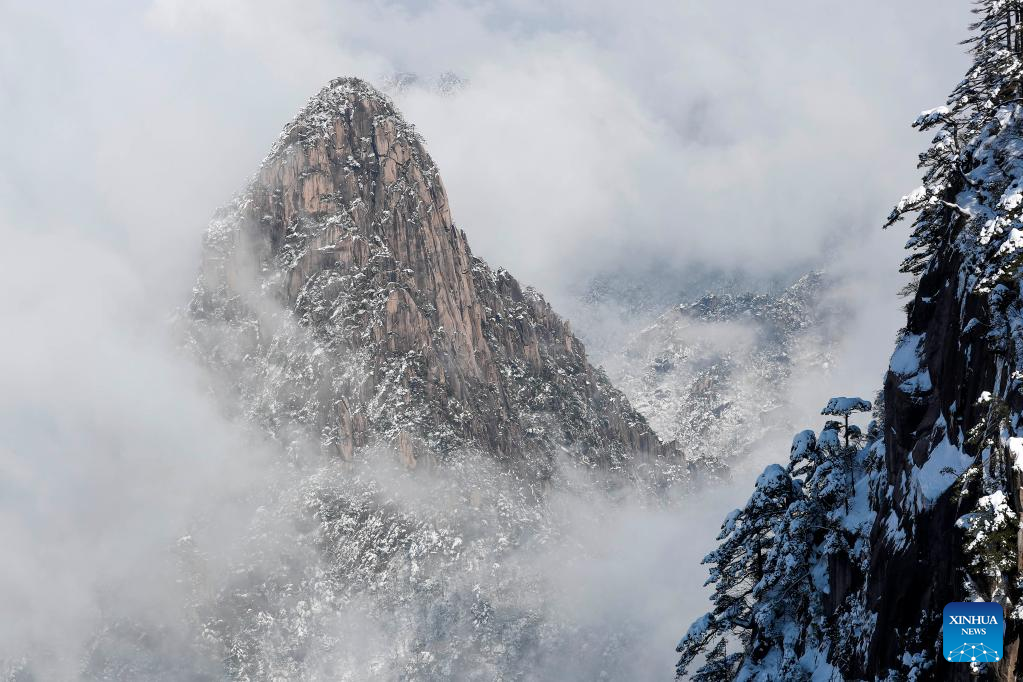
[773, 555]
[721, 666]
[961, 158]
[844, 457]
[737, 567]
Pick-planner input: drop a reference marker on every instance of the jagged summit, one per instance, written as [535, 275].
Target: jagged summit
[389, 330]
[334, 102]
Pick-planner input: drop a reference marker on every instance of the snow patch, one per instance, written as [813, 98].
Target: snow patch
[945, 464]
[906, 358]
[1016, 448]
[917, 384]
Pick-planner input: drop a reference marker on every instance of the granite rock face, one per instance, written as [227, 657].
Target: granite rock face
[918, 559]
[339, 288]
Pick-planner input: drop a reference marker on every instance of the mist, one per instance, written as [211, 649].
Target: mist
[586, 138]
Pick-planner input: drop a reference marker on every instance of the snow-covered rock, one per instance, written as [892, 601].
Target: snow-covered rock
[339, 287]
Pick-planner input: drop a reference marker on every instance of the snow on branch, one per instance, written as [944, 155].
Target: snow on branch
[843, 406]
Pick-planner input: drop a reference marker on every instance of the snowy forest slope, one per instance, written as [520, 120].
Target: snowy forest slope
[715, 374]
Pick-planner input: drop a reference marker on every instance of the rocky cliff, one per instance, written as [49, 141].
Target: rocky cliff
[953, 388]
[339, 285]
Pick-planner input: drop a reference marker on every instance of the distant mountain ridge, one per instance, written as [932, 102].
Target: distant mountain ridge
[713, 374]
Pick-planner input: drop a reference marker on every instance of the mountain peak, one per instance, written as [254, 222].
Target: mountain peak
[333, 109]
[405, 339]
[343, 94]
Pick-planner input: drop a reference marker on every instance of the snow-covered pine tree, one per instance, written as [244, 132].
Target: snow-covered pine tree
[770, 570]
[991, 528]
[737, 567]
[845, 456]
[966, 183]
[843, 407]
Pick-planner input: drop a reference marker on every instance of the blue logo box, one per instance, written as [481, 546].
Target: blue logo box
[973, 632]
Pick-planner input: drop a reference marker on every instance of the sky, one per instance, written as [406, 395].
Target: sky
[764, 139]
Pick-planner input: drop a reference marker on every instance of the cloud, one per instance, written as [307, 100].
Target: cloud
[112, 450]
[749, 139]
